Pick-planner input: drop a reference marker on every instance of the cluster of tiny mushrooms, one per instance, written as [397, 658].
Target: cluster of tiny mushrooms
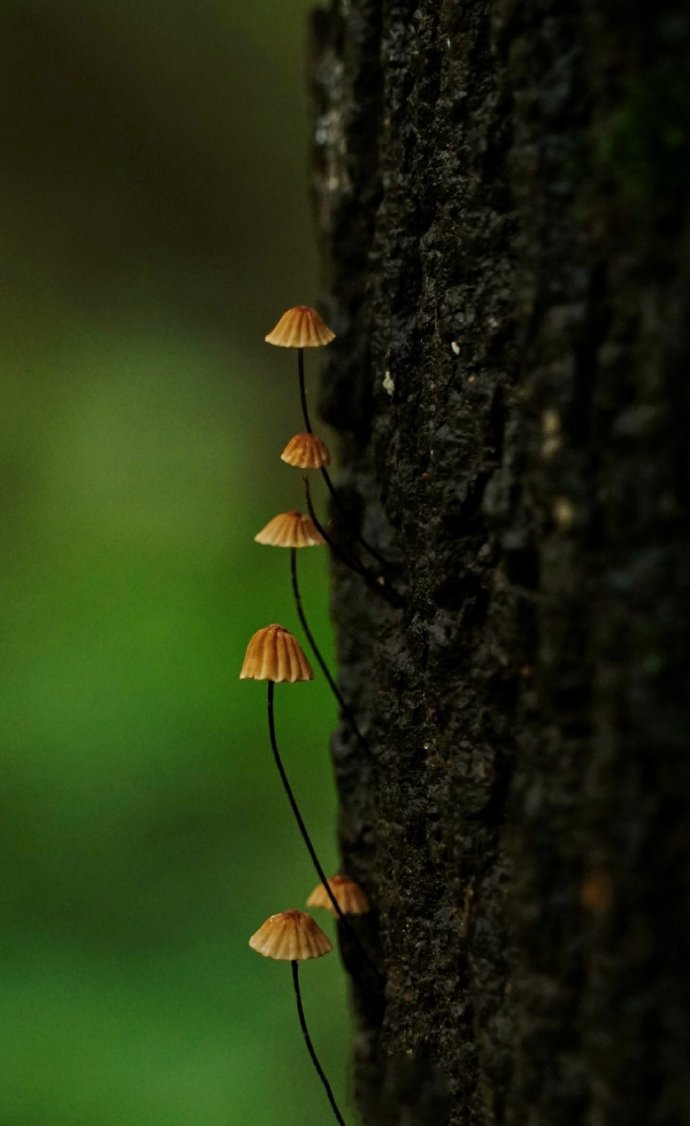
[275, 656]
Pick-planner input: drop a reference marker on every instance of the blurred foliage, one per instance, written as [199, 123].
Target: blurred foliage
[154, 223]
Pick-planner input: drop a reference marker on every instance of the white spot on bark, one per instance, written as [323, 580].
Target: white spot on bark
[388, 384]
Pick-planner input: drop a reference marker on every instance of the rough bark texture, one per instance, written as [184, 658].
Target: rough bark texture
[502, 191]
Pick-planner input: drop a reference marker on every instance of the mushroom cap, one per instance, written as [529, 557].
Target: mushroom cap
[306, 451]
[291, 936]
[290, 529]
[274, 654]
[349, 897]
[301, 327]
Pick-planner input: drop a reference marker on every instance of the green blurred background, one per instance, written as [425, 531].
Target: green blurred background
[154, 224]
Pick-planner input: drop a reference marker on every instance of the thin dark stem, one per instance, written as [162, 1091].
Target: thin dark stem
[303, 390]
[317, 653]
[310, 1047]
[358, 536]
[293, 803]
[326, 475]
[351, 563]
[373, 581]
[303, 830]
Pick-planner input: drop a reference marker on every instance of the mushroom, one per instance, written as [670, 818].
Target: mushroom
[290, 529]
[294, 937]
[351, 900]
[306, 451]
[273, 654]
[350, 896]
[300, 327]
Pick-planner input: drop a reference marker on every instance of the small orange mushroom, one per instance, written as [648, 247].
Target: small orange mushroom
[290, 529]
[306, 451]
[290, 936]
[294, 937]
[300, 327]
[349, 896]
[273, 654]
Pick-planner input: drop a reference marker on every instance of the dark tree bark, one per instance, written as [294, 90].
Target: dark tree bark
[502, 191]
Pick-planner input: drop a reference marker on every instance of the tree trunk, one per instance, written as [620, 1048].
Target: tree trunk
[502, 190]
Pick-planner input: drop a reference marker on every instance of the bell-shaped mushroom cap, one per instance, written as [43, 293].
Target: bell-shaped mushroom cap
[291, 936]
[349, 896]
[274, 654]
[290, 529]
[300, 327]
[306, 451]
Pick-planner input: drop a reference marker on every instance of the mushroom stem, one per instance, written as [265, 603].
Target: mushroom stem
[303, 390]
[317, 653]
[326, 475]
[376, 583]
[294, 806]
[310, 1047]
[358, 536]
[305, 835]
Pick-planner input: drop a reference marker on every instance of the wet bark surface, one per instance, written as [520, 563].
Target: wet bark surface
[501, 190]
